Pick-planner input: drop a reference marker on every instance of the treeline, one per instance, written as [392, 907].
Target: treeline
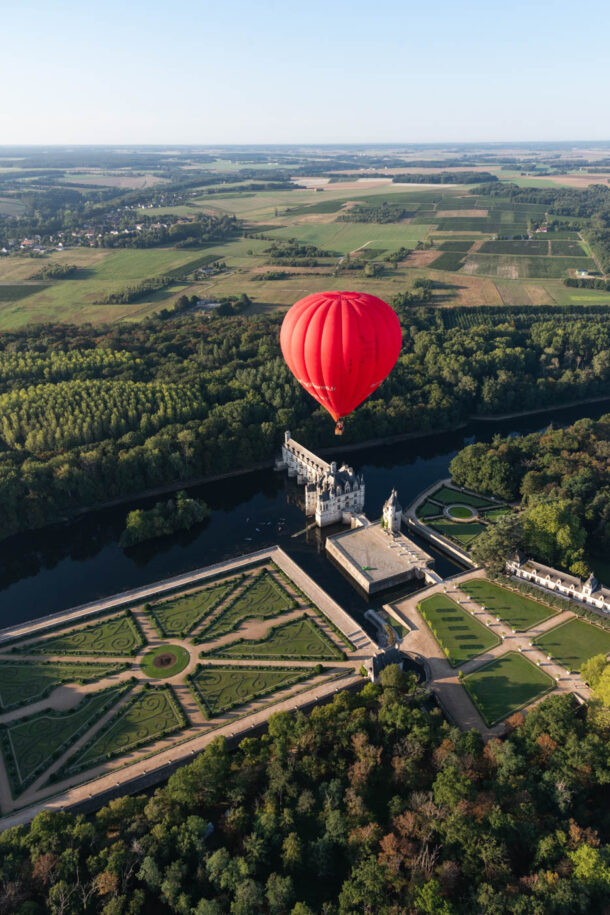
[587, 282]
[465, 177]
[292, 253]
[90, 414]
[562, 479]
[137, 291]
[372, 805]
[386, 212]
[55, 272]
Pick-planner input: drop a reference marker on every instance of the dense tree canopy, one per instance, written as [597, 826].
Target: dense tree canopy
[91, 414]
[370, 805]
[562, 478]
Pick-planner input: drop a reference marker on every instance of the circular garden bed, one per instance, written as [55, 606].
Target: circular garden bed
[461, 512]
[165, 661]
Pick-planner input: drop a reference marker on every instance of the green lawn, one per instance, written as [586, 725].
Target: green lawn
[262, 598]
[449, 496]
[220, 689]
[516, 610]
[22, 682]
[165, 661]
[505, 685]
[152, 714]
[574, 642]
[298, 640]
[118, 635]
[494, 513]
[180, 615]
[459, 634]
[463, 532]
[461, 511]
[30, 744]
[429, 510]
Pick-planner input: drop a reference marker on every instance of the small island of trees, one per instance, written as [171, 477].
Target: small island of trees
[177, 514]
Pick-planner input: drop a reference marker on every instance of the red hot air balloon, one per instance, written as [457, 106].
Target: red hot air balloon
[340, 346]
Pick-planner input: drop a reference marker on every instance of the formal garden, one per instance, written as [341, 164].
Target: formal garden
[221, 689]
[460, 516]
[263, 597]
[113, 706]
[506, 684]
[460, 635]
[112, 636]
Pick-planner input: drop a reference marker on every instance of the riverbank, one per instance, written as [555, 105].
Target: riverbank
[176, 485]
[536, 410]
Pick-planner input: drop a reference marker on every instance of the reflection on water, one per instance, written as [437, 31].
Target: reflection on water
[66, 565]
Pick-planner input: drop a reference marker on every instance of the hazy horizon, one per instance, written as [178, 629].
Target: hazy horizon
[281, 74]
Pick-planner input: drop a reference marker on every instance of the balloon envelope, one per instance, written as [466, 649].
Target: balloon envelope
[340, 346]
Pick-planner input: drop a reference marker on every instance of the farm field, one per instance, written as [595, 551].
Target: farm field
[516, 610]
[523, 266]
[300, 639]
[459, 634]
[151, 714]
[505, 685]
[574, 642]
[179, 615]
[220, 689]
[29, 743]
[24, 681]
[263, 597]
[115, 636]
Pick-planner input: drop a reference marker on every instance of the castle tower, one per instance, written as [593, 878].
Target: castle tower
[392, 513]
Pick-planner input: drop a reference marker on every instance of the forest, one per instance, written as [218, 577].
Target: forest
[561, 477]
[371, 805]
[89, 414]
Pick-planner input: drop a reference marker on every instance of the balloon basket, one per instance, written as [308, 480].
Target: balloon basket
[339, 427]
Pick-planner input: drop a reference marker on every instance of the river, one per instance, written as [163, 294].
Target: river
[69, 564]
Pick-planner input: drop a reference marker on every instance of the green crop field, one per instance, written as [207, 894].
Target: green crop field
[117, 635]
[262, 598]
[516, 246]
[463, 532]
[180, 615]
[220, 689]
[516, 610]
[344, 237]
[298, 640]
[449, 496]
[574, 642]
[16, 292]
[22, 682]
[449, 260]
[522, 267]
[429, 510]
[462, 246]
[505, 685]
[153, 713]
[30, 744]
[565, 248]
[459, 634]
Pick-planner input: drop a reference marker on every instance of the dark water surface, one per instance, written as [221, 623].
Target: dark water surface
[70, 564]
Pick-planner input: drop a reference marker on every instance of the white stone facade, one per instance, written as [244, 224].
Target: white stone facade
[337, 493]
[392, 513]
[589, 592]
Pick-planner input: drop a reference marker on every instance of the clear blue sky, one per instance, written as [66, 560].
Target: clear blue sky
[277, 71]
